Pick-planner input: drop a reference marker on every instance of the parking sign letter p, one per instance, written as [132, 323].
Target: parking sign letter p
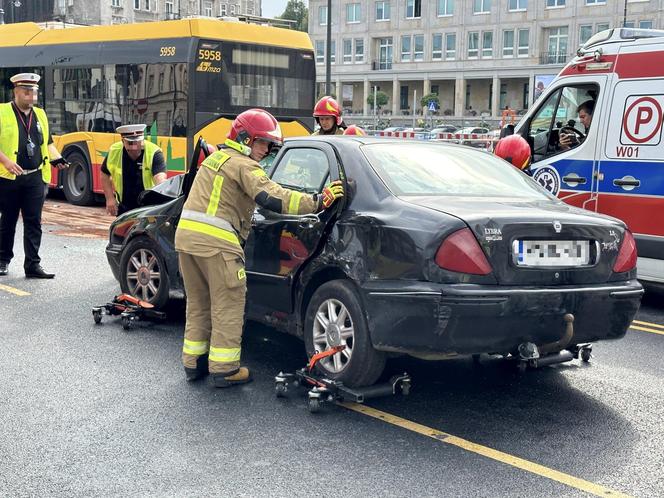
[643, 116]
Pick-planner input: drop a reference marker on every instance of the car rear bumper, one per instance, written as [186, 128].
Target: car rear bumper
[425, 318]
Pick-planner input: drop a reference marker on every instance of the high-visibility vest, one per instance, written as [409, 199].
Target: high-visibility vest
[9, 140]
[114, 165]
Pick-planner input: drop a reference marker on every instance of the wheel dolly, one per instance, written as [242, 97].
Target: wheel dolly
[330, 391]
[129, 308]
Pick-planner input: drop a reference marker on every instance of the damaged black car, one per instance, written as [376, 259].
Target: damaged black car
[437, 250]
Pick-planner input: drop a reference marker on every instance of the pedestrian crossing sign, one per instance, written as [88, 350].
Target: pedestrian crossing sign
[432, 105]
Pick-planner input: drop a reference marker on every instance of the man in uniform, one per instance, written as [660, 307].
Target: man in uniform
[26, 156]
[215, 222]
[328, 116]
[132, 165]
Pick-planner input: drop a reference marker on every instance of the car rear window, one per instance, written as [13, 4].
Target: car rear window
[434, 169]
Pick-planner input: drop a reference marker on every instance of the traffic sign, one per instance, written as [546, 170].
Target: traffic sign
[432, 105]
[642, 120]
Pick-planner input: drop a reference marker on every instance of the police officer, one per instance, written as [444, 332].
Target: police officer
[26, 148]
[132, 165]
[328, 116]
[215, 222]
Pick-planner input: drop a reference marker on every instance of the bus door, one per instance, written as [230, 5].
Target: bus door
[568, 169]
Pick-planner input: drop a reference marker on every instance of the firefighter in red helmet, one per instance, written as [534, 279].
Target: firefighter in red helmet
[215, 223]
[515, 149]
[355, 130]
[328, 116]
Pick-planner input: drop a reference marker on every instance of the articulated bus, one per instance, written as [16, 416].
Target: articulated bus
[183, 79]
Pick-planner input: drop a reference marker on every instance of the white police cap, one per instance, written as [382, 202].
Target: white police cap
[131, 132]
[26, 79]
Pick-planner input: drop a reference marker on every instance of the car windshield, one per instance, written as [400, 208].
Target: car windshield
[430, 169]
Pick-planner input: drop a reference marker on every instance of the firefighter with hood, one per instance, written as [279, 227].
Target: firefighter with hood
[515, 150]
[213, 227]
[328, 116]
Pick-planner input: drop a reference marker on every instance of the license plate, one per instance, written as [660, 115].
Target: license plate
[551, 253]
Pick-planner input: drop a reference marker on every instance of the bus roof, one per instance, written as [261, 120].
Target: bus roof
[30, 34]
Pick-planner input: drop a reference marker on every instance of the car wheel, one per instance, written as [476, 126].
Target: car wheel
[143, 272]
[76, 183]
[334, 317]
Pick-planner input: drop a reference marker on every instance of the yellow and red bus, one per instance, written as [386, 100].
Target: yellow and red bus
[181, 78]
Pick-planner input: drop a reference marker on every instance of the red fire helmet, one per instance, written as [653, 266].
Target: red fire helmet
[514, 149]
[327, 106]
[355, 130]
[255, 124]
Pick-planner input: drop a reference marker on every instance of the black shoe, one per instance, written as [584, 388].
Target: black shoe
[4, 270]
[38, 272]
[200, 371]
[241, 375]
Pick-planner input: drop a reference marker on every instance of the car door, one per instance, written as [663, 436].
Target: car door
[281, 244]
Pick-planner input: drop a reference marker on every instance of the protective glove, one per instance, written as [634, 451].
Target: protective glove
[331, 193]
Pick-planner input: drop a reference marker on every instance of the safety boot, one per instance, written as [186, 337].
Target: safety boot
[232, 378]
[200, 371]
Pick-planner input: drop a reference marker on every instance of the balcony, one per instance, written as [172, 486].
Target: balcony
[554, 57]
[381, 65]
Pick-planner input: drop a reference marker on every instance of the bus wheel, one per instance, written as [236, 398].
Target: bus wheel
[77, 180]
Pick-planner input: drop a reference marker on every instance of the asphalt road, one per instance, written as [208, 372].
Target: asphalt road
[94, 410]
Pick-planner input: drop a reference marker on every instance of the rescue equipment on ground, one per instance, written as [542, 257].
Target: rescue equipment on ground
[324, 390]
[129, 308]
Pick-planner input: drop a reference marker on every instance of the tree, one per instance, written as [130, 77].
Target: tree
[297, 11]
[381, 99]
[432, 97]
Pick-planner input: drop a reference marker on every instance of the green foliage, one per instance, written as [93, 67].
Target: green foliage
[297, 11]
[381, 99]
[432, 97]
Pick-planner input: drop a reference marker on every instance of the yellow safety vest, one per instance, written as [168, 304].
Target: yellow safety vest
[9, 140]
[114, 165]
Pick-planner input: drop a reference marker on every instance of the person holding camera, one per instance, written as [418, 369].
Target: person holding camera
[26, 156]
[568, 138]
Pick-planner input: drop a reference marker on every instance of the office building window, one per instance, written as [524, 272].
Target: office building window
[601, 27]
[628, 24]
[437, 47]
[348, 51]
[333, 51]
[322, 15]
[208, 9]
[353, 12]
[359, 50]
[320, 51]
[450, 46]
[382, 11]
[473, 44]
[555, 3]
[523, 43]
[508, 44]
[445, 7]
[115, 3]
[487, 44]
[481, 6]
[595, 2]
[137, 4]
[517, 5]
[557, 45]
[418, 42]
[645, 24]
[413, 9]
[222, 9]
[385, 53]
[147, 4]
[585, 32]
[405, 48]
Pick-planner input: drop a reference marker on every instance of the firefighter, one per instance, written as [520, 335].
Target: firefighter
[26, 149]
[355, 130]
[328, 116]
[515, 149]
[132, 165]
[215, 223]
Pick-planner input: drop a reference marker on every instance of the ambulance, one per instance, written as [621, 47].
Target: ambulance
[615, 165]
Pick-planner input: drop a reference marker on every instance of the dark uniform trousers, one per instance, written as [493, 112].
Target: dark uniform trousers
[24, 195]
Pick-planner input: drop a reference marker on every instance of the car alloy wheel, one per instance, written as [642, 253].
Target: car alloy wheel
[334, 327]
[143, 274]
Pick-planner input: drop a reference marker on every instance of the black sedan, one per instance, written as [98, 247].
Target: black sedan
[437, 250]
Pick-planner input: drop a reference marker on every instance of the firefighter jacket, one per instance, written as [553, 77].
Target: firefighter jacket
[9, 140]
[217, 214]
[114, 165]
[338, 131]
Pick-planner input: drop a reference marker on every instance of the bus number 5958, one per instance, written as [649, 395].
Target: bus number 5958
[166, 51]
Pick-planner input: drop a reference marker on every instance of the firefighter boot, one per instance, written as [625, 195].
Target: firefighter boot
[232, 378]
[200, 371]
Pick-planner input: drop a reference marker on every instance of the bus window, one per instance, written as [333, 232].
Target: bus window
[77, 100]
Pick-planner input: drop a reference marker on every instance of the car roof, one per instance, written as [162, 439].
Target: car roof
[365, 140]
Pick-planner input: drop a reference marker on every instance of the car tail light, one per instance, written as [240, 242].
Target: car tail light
[462, 253]
[626, 259]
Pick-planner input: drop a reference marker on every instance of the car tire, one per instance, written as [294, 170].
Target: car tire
[359, 364]
[77, 180]
[143, 272]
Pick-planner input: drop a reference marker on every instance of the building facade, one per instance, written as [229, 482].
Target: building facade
[478, 56]
[131, 11]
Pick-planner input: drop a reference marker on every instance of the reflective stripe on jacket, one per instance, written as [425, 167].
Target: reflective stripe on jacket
[9, 139]
[217, 214]
[114, 165]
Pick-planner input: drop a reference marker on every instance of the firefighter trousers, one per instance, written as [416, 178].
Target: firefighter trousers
[216, 289]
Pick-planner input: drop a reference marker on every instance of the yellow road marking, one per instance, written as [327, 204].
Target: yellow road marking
[648, 324]
[13, 290]
[645, 329]
[485, 451]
